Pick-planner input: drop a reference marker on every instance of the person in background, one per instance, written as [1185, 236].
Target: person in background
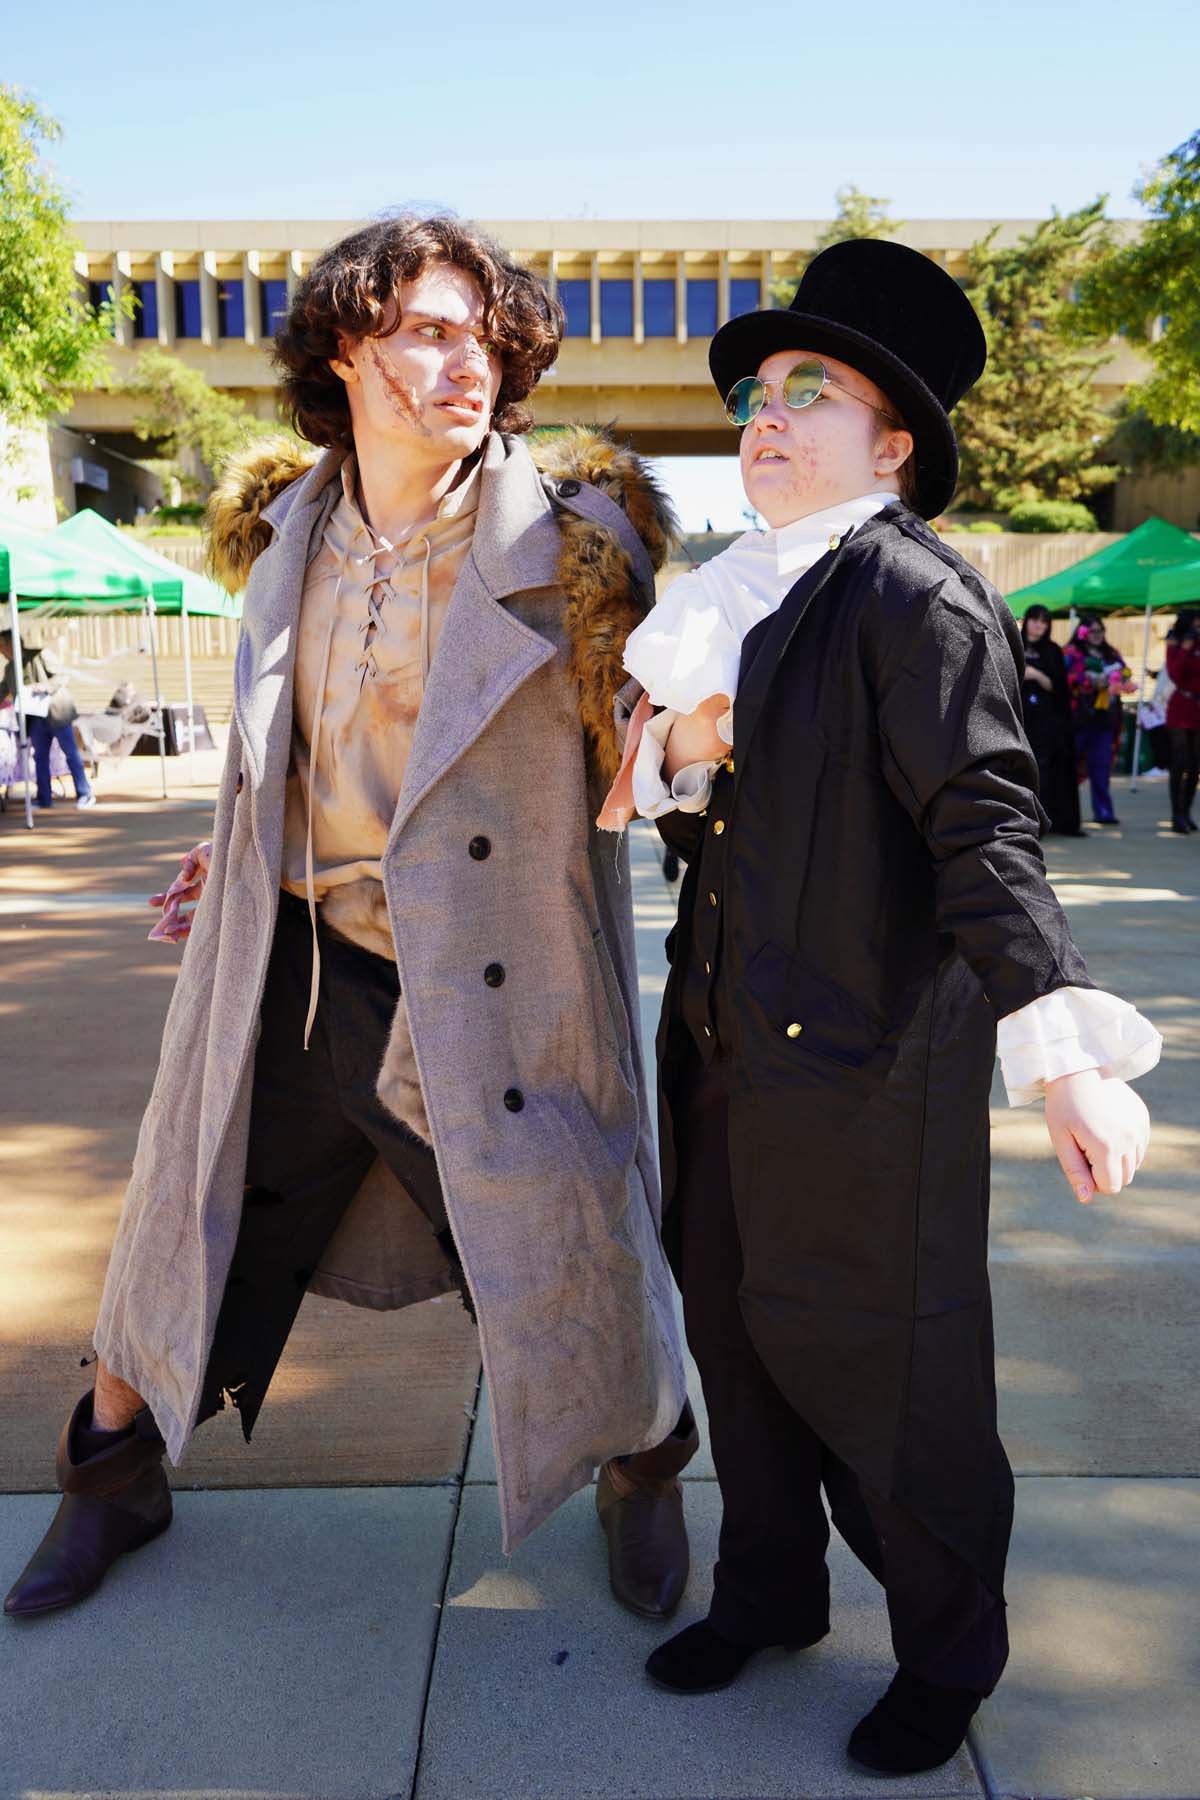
[1096, 677]
[1183, 717]
[43, 669]
[1046, 701]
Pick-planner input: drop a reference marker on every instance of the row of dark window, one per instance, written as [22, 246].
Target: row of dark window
[658, 306]
[616, 306]
[231, 307]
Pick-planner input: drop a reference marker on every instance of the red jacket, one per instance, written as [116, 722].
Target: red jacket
[1183, 666]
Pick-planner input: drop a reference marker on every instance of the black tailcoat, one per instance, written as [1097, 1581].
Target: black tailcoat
[881, 885]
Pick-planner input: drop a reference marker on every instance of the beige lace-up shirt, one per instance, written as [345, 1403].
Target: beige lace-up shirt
[370, 619]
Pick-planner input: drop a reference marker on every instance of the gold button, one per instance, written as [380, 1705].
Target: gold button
[834, 541]
[704, 814]
[708, 968]
[712, 899]
[729, 764]
[718, 828]
[794, 1031]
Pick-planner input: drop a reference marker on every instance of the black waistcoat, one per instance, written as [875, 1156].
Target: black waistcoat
[703, 1003]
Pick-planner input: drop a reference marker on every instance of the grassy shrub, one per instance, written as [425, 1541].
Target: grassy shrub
[1052, 515]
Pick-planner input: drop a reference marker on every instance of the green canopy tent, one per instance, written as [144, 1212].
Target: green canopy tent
[35, 572]
[175, 590]
[1155, 568]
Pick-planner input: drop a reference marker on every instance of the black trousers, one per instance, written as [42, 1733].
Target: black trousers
[316, 1126]
[771, 1583]
[1185, 769]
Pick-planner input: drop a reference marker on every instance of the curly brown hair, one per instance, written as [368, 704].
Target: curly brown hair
[345, 295]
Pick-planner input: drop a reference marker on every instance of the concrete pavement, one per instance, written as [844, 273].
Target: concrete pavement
[372, 1642]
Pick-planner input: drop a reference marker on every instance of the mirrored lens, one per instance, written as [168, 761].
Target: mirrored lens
[802, 384]
[745, 398]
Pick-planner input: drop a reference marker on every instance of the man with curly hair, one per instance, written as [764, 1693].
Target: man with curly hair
[402, 1054]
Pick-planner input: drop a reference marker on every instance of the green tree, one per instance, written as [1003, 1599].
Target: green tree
[1033, 427]
[858, 215]
[182, 413]
[1155, 278]
[51, 341]
[1140, 444]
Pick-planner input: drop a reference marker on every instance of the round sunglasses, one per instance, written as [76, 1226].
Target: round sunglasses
[803, 383]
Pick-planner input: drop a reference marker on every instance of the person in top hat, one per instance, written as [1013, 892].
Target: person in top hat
[828, 729]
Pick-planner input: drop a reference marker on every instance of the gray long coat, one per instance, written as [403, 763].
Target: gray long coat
[555, 1208]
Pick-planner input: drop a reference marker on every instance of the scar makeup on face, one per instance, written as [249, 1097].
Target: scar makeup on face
[400, 397]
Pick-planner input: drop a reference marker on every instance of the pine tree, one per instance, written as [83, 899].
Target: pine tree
[1034, 427]
[858, 215]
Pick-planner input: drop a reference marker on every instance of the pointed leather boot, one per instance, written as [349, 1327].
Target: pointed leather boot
[640, 1503]
[114, 1501]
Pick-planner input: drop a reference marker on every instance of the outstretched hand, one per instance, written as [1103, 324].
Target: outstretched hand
[180, 900]
[1100, 1131]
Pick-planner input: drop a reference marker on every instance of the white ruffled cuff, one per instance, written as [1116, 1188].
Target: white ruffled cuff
[1068, 1031]
[690, 790]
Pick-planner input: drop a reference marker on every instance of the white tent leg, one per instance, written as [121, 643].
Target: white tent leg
[24, 751]
[162, 733]
[185, 625]
[1137, 729]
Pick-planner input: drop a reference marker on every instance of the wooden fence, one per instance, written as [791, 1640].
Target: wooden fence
[189, 553]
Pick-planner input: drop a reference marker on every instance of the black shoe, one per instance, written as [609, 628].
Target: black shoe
[1181, 826]
[699, 1660]
[916, 1726]
[1106, 821]
[1190, 822]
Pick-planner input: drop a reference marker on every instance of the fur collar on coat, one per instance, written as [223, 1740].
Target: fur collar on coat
[602, 598]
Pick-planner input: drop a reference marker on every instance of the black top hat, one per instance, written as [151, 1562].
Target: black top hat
[894, 316]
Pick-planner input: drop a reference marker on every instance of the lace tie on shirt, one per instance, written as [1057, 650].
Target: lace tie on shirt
[372, 625]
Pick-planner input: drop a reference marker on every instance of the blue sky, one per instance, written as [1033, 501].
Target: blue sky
[629, 111]
[632, 110]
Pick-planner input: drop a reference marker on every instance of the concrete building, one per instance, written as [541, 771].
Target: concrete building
[642, 299]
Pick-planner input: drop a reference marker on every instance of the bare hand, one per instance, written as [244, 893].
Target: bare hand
[1100, 1131]
[184, 892]
[694, 736]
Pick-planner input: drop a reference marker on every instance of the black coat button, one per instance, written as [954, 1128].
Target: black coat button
[569, 489]
[514, 1099]
[494, 974]
[480, 848]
